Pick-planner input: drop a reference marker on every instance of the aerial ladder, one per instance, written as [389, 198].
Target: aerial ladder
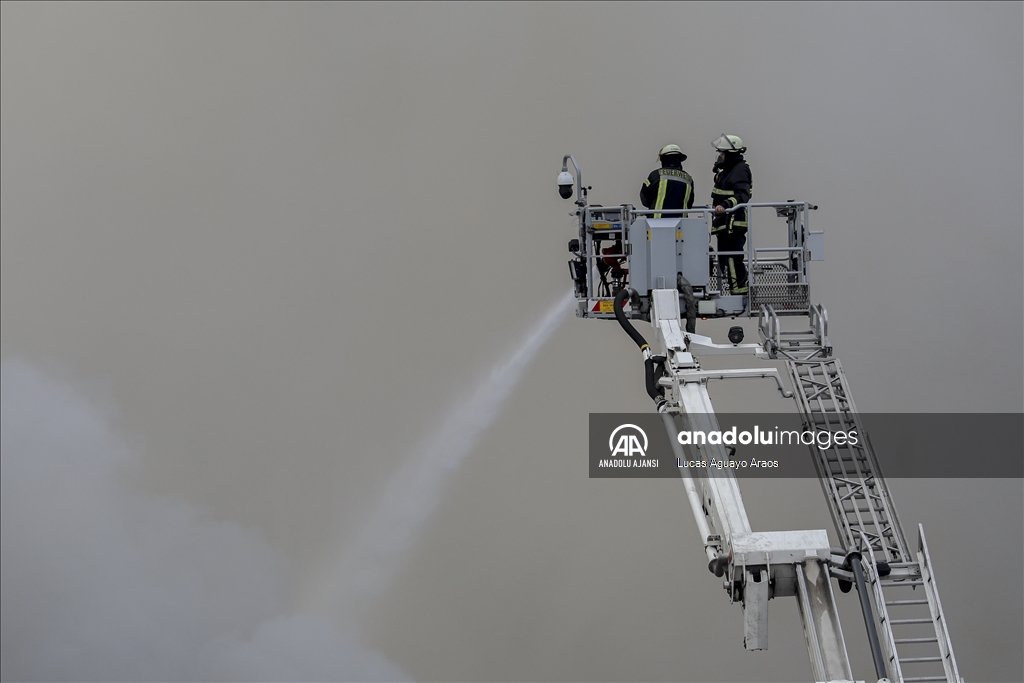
[635, 264]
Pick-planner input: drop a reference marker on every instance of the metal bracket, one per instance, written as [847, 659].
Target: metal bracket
[794, 344]
[703, 376]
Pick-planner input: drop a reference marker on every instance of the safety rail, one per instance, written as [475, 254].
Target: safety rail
[777, 275]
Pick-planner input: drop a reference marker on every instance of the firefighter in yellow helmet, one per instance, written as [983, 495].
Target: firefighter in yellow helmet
[668, 187]
[732, 187]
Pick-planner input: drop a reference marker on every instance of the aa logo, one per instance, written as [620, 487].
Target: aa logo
[628, 443]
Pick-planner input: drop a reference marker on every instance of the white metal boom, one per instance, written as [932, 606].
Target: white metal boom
[659, 264]
[764, 565]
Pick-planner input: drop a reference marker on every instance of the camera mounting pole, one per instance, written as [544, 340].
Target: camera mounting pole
[581, 199]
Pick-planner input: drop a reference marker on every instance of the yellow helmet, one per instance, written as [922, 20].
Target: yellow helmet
[729, 143]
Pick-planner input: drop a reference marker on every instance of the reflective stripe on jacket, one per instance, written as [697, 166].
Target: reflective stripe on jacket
[732, 186]
[667, 188]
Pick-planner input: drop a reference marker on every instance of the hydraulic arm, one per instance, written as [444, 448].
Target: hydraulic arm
[630, 265]
[757, 566]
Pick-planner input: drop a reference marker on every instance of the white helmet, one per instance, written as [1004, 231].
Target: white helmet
[729, 143]
[671, 149]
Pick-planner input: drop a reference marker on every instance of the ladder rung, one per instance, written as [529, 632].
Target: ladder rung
[916, 660]
[906, 602]
[900, 641]
[910, 621]
[885, 533]
[914, 679]
[901, 584]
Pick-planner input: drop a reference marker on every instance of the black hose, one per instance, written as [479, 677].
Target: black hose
[659, 366]
[653, 369]
[684, 287]
[869, 620]
[620, 299]
[656, 393]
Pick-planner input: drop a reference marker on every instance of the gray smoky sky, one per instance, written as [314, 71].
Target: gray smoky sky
[253, 253]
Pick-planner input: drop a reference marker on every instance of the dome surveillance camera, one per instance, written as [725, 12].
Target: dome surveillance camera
[565, 182]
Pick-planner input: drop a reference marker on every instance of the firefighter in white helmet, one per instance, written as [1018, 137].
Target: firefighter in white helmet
[732, 187]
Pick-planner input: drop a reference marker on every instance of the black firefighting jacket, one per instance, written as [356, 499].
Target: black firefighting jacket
[732, 187]
[669, 187]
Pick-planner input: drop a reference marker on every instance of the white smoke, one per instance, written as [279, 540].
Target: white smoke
[100, 582]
